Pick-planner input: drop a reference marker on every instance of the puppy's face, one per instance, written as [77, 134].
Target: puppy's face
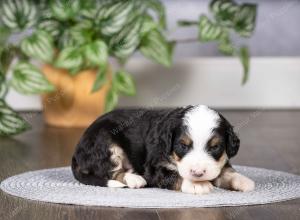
[203, 145]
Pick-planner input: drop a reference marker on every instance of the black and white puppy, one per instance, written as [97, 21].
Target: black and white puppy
[185, 149]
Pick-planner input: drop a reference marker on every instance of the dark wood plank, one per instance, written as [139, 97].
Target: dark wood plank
[270, 139]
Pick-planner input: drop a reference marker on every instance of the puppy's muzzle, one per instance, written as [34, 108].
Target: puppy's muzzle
[197, 173]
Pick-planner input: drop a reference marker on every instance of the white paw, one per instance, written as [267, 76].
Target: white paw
[134, 181]
[196, 187]
[115, 184]
[242, 183]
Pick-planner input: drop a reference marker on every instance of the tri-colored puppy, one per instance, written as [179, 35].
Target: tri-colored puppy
[185, 149]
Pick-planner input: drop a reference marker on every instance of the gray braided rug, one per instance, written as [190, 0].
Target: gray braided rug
[59, 186]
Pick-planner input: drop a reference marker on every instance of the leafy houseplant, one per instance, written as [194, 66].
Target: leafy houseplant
[228, 18]
[80, 35]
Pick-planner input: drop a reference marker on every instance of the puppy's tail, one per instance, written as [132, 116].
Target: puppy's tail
[87, 176]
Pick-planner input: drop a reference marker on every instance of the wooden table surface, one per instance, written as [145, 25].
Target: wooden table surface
[269, 139]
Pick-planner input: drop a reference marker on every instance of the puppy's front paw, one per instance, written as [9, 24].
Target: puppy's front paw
[196, 187]
[134, 181]
[242, 183]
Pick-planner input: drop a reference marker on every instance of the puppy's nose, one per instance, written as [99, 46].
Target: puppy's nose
[197, 173]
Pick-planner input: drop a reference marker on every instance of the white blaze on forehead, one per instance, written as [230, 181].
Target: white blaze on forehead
[200, 122]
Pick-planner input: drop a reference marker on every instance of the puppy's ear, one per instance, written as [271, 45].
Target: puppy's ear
[233, 142]
[171, 127]
[167, 137]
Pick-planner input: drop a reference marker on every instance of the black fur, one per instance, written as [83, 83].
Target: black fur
[232, 142]
[229, 141]
[148, 138]
[179, 148]
[144, 135]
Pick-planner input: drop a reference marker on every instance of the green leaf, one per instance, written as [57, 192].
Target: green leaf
[5, 33]
[148, 25]
[96, 53]
[127, 40]
[245, 20]
[156, 47]
[187, 23]
[209, 31]
[17, 51]
[114, 16]
[159, 9]
[245, 60]
[3, 90]
[64, 9]
[39, 46]
[18, 15]
[2, 77]
[10, 122]
[66, 39]
[224, 11]
[50, 26]
[76, 35]
[89, 8]
[124, 83]
[27, 79]
[82, 32]
[70, 58]
[42, 4]
[3, 86]
[101, 78]
[102, 7]
[226, 47]
[6, 57]
[111, 100]
[84, 25]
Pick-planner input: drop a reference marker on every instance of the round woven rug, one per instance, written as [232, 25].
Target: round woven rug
[59, 186]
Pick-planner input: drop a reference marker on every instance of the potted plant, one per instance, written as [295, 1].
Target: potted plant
[64, 48]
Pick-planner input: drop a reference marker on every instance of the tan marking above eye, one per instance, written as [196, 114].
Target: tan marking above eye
[214, 141]
[185, 140]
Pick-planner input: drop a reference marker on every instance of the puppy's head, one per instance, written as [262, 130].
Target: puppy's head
[203, 144]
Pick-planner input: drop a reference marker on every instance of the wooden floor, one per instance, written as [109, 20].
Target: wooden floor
[270, 139]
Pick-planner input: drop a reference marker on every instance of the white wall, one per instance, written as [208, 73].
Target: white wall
[273, 83]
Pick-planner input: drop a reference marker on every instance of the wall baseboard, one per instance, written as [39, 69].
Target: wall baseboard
[274, 83]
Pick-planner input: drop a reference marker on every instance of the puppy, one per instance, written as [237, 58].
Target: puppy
[185, 149]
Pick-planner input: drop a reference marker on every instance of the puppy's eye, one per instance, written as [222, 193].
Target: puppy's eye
[214, 143]
[214, 146]
[184, 146]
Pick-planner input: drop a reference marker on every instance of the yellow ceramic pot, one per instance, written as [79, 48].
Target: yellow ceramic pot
[73, 104]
